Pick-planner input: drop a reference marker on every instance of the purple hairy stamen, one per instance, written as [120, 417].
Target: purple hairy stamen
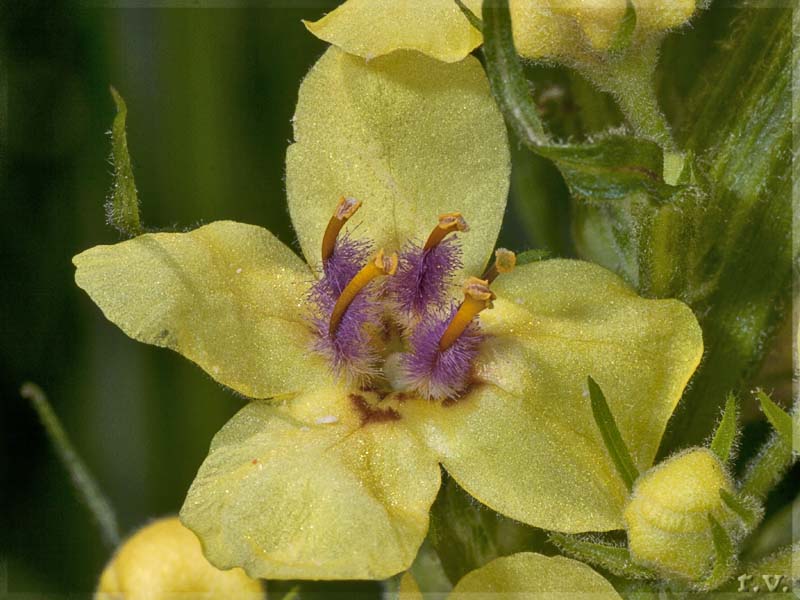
[435, 373]
[351, 352]
[423, 278]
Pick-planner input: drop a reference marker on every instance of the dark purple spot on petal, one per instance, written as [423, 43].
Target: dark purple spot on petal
[372, 414]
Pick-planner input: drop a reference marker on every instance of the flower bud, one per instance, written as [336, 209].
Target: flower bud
[667, 518]
[163, 560]
[576, 29]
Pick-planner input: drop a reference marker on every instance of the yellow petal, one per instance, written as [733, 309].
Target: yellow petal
[371, 28]
[532, 575]
[525, 442]
[409, 590]
[308, 492]
[409, 136]
[227, 296]
[597, 19]
[164, 561]
[541, 32]
[657, 15]
[574, 29]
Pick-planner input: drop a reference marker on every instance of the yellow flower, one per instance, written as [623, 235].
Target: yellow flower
[524, 575]
[543, 29]
[328, 477]
[163, 561]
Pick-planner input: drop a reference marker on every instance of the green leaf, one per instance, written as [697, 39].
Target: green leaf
[615, 445]
[724, 556]
[122, 207]
[528, 575]
[774, 532]
[741, 251]
[82, 479]
[473, 19]
[778, 418]
[747, 509]
[722, 244]
[530, 256]
[615, 559]
[624, 35]
[767, 468]
[467, 535]
[727, 431]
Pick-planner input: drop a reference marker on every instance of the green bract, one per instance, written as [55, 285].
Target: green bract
[326, 481]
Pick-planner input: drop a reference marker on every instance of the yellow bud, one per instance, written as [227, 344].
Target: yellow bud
[163, 560]
[667, 516]
[573, 29]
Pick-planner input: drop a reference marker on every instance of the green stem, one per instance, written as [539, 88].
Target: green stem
[82, 479]
[506, 77]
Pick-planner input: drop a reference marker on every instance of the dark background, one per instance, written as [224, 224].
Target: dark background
[210, 94]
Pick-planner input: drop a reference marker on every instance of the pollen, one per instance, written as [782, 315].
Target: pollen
[477, 297]
[345, 208]
[504, 262]
[448, 223]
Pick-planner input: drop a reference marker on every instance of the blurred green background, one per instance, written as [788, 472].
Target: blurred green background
[210, 94]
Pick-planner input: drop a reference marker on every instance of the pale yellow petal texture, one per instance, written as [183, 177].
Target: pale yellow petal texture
[409, 136]
[535, 577]
[164, 561]
[372, 28]
[307, 491]
[574, 29]
[657, 15]
[227, 296]
[570, 28]
[524, 442]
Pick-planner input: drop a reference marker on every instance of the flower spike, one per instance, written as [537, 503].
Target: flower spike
[448, 222]
[381, 265]
[504, 262]
[477, 297]
[345, 208]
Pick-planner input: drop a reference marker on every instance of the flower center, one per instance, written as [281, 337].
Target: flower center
[389, 321]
